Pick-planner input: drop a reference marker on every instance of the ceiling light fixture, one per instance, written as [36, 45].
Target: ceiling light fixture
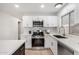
[58, 5]
[17, 6]
[42, 6]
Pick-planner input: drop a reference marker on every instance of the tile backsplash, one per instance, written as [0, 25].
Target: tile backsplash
[50, 29]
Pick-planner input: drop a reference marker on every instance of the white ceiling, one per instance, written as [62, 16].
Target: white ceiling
[29, 9]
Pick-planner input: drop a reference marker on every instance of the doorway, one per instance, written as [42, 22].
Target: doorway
[19, 30]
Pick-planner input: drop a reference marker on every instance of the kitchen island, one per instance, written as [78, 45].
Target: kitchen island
[12, 47]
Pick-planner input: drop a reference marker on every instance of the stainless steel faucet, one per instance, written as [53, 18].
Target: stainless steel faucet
[62, 29]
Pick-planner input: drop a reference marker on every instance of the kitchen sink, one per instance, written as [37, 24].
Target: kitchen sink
[59, 36]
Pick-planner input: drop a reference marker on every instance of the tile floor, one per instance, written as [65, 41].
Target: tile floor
[38, 52]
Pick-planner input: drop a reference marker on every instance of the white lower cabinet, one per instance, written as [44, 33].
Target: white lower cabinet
[54, 46]
[51, 43]
[28, 41]
[47, 41]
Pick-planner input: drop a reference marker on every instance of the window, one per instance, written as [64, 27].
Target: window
[65, 19]
[68, 20]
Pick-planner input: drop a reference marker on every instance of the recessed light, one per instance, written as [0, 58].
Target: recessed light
[17, 6]
[58, 5]
[42, 6]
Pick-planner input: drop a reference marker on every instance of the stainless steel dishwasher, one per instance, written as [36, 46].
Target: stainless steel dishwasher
[64, 50]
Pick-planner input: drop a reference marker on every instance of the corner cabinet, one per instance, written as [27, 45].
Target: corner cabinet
[51, 43]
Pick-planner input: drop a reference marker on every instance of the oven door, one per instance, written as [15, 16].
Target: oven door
[37, 42]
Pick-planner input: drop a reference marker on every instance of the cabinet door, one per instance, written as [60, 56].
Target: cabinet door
[52, 21]
[54, 46]
[51, 43]
[38, 18]
[27, 21]
[46, 23]
[28, 41]
[47, 41]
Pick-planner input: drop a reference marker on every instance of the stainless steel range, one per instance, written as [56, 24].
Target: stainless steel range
[38, 39]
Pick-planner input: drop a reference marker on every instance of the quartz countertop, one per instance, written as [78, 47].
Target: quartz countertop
[72, 41]
[8, 47]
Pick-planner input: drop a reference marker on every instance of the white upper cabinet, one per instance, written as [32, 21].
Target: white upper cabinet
[27, 21]
[50, 21]
[37, 18]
